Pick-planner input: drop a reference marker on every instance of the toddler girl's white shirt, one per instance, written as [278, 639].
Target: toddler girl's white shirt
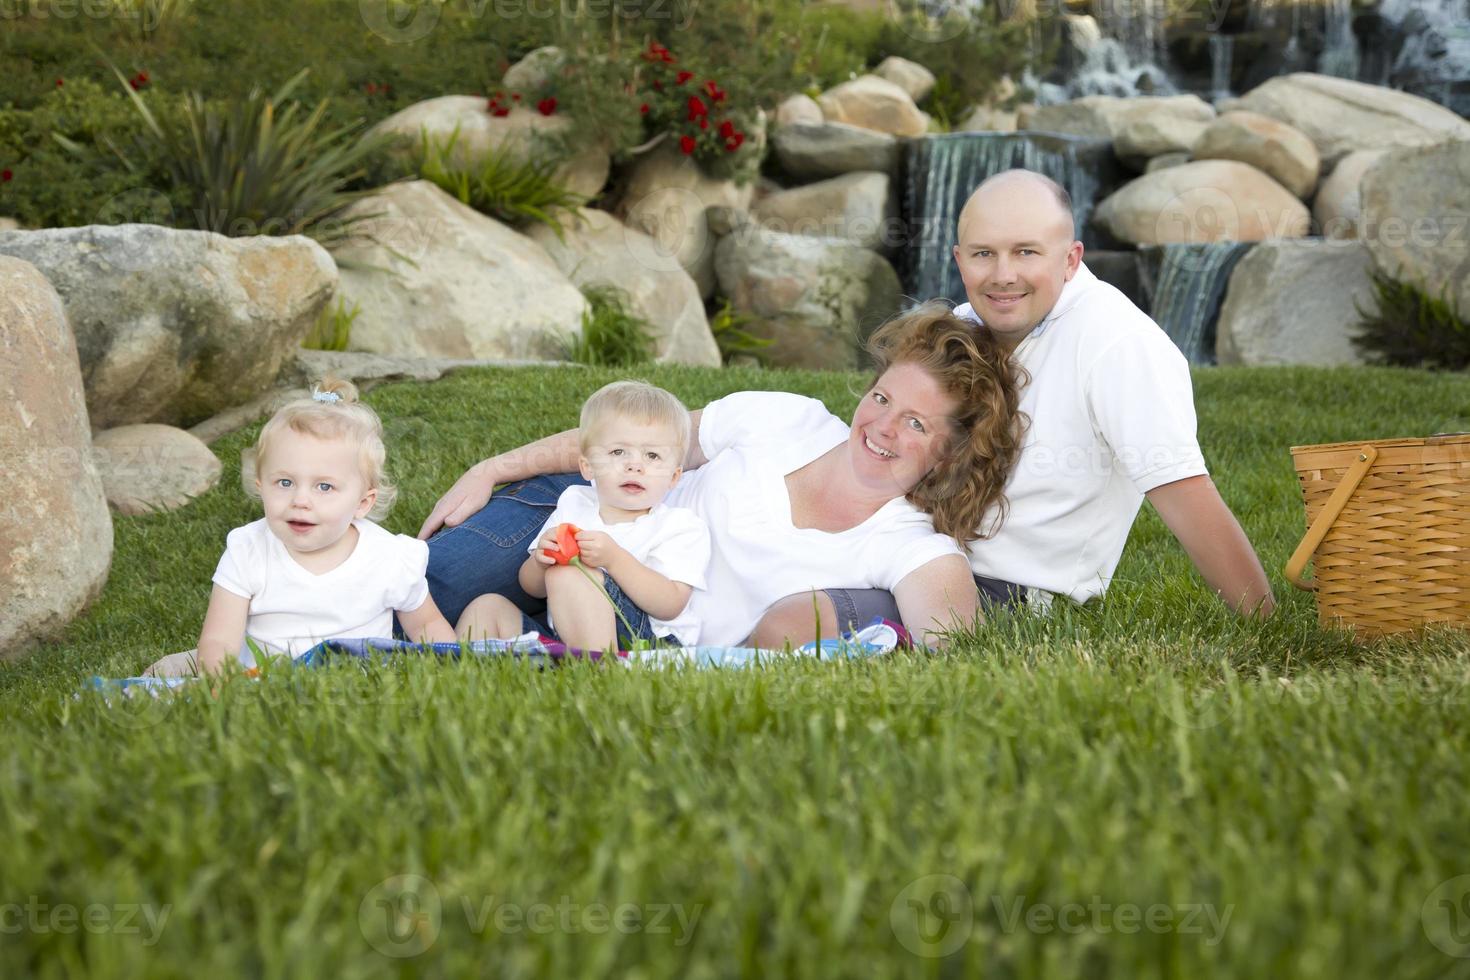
[672, 541]
[292, 609]
[753, 439]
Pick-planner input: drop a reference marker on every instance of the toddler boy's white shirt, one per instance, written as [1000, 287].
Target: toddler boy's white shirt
[672, 541]
[292, 609]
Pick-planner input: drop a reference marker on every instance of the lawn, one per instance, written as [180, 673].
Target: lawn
[1141, 788]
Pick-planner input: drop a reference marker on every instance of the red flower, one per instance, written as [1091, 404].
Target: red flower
[371, 87]
[704, 122]
[499, 111]
[697, 107]
[516, 96]
[6, 176]
[727, 129]
[658, 86]
[733, 143]
[546, 106]
[643, 109]
[138, 81]
[715, 92]
[686, 143]
[566, 545]
[59, 83]
[683, 77]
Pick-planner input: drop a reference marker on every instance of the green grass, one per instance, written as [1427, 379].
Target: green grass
[1148, 752]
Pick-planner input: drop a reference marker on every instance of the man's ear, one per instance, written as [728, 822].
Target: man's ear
[366, 503]
[1074, 259]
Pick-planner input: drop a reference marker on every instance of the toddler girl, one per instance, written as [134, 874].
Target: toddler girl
[315, 567]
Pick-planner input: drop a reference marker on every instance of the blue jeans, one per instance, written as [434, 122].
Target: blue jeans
[626, 616]
[485, 553]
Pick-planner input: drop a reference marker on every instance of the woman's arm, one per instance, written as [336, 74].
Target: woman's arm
[554, 454]
[936, 597]
[223, 632]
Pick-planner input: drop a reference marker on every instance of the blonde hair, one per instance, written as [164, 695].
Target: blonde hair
[970, 365]
[635, 400]
[323, 416]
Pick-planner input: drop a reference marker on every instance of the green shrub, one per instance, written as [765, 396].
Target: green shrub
[333, 327]
[507, 188]
[257, 165]
[1412, 328]
[612, 335]
[61, 176]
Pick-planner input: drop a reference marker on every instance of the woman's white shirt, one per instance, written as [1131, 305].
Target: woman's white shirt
[292, 609]
[752, 440]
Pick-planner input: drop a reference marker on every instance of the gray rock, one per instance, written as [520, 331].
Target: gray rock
[855, 207]
[597, 248]
[798, 108]
[910, 76]
[174, 326]
[9, 224]
[874, 103]
[832, 149]
[440, 279]
[535, 71]
[1292, 302]
[152, 467]
[55, 530]
[1150, 126]
[1203, 201]
[816, 298]
[1166, 160]
[1416, 218]
[1341, 116]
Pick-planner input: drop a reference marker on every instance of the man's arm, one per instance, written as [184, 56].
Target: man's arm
[1202, 522]
[554, 454]
[938, 596]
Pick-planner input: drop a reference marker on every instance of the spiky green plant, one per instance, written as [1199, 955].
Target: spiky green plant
[612, 335]
[502, 185]
[1409, 326]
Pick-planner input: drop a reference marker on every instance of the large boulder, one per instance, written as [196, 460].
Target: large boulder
[987, 119]
[1416, 218]
[910, 76]
[874, 103]
[816, 298]
[666, 197]
[535, 71]
[1148, 127]
[855, 207]
[523, 134]
[9, 224]
[1341, 116]
[173, 326]
[1293, 302]
[811, 152]
[432, 277]
[153, 467]
[1203, 201]
[597, 248]
[1269, 145]
[1338, 206]
[798, 108]
[55, 531]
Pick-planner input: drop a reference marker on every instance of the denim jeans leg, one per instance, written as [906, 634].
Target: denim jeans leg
[484, 554]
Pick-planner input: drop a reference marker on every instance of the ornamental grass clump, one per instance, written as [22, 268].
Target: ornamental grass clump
[258, 165]
[505, 186]
[1413, 328]
[612, 334]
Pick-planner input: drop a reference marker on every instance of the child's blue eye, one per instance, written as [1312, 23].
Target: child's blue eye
[324, 487]
[615, 452]
[283, 483]
[653, 456]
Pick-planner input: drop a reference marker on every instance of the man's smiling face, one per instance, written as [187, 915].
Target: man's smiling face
[1016, 251]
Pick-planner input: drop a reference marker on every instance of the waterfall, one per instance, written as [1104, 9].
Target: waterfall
[1186, 286]
[1434, 57]
[1222, 50]
[1340, 56]
[942, 171]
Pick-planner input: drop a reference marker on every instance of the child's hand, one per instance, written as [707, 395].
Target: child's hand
[598, 549]
[559, 545]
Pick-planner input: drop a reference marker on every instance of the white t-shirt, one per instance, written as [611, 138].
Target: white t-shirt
[752, 440]
[292, 609]
[1112, 417]
[670, 540]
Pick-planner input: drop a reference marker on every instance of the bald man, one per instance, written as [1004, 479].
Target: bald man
[1112, 424]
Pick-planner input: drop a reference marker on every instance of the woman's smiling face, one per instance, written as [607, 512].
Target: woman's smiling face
[901, 429]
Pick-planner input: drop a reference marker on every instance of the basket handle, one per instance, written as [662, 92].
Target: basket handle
[1327, 517]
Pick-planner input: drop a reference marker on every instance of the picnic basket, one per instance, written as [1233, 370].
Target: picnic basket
[1389, 530]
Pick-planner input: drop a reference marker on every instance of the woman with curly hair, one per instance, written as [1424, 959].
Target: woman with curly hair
[798, 501]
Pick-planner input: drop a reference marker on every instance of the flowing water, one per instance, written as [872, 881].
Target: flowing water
[1186, 285]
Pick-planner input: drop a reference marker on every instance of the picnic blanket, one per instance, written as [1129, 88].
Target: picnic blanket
[879, 637]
